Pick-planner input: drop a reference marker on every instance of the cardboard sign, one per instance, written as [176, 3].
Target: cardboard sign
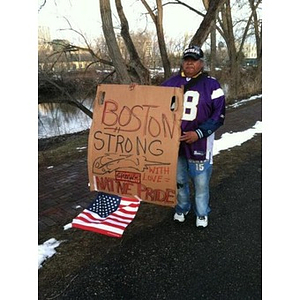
[134, 140]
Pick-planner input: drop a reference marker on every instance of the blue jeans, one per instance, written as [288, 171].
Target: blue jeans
[200, 173]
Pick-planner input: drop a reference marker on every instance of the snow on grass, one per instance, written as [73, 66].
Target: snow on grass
[233, 139]
[242, 102]
[47, 250]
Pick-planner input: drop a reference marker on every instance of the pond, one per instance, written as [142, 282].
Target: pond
[58, 119]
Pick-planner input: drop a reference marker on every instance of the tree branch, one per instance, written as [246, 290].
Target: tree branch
[42, 5]
[150, 11]
[187, 6]
[69, 100]
[207, 23]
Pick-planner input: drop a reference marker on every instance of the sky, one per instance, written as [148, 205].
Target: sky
[228, 140]
[84, 16]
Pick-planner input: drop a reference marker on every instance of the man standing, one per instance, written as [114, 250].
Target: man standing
[203, 114]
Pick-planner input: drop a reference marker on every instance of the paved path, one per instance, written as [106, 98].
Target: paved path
[61, 189]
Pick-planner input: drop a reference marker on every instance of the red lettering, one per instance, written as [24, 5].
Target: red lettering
[109, 109]
[156, 195]
[105, 184]
[123, 187]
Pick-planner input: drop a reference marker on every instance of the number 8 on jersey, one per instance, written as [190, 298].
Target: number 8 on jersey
[190, 103]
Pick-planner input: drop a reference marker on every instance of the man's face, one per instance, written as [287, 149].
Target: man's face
[191, 67]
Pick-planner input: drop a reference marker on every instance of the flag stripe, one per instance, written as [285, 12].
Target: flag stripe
[85, 217]
[103, 227]
[125, 214]
[126, 202]
[97, 230]
[118, 214]
[105, 224]
[100, 226]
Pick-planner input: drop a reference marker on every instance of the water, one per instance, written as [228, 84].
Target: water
[58, 119]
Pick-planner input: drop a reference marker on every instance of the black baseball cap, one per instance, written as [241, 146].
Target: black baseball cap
[193, 51]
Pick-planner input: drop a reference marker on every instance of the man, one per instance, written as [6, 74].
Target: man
[203, 114]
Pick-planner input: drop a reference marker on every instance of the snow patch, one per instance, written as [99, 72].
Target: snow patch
[229, 140]
[242, 102]
[47, 250]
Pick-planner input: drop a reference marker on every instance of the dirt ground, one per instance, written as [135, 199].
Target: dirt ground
[80, 249]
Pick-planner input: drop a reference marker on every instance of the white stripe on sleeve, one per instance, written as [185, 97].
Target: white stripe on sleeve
[217, 93]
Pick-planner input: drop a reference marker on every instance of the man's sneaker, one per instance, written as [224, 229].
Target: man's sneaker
[202, 221]
[179, 217]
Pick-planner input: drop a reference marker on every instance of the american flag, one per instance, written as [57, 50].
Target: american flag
[108, 214]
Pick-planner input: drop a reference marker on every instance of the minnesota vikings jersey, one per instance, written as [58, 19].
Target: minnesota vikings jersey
[203, 112]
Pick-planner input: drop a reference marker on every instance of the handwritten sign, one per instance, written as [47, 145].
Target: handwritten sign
[134, 140]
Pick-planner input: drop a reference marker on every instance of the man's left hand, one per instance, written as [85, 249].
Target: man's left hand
[189, 137]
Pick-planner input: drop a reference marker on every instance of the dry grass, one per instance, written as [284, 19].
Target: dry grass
[62, 149]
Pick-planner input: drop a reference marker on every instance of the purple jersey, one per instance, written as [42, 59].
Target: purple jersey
[203, 112]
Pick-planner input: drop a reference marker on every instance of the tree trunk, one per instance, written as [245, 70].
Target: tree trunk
[231, 47]
[161, 40]
[113, 48]
[258, 38]
[158, 21]
[207, 23]
[213, 49]
[142, 73]
[213, 42]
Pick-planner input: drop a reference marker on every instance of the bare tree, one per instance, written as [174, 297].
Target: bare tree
[135, 63]
[258, 37]
[213, 41]
[207, 26]
[235, 50]
[157, 19]
[60, 58]
[201, 34]
[113, 48]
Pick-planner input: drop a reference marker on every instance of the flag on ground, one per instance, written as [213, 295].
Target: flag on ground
[108, 214]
